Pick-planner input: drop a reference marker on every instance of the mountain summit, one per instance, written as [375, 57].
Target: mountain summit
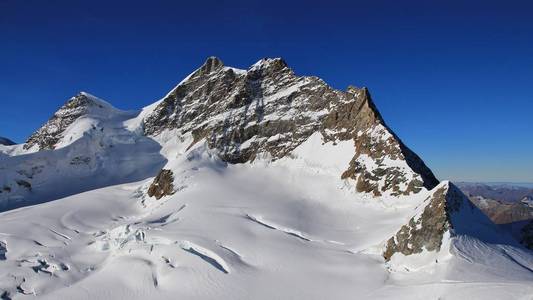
[242, 184]
[81, 105]
[268, 110]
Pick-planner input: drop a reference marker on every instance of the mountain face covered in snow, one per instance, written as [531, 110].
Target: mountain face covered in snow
[82, 105]
[242, 184]
[83, 146]
[268, 110]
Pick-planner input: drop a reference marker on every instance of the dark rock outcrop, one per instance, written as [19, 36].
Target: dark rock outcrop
[163, 184]
[426, 230]
[24, 183]
[446, 210]
[267, 109]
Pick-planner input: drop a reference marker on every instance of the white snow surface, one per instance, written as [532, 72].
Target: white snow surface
[289, 229]
[101, 148]
[284, 229]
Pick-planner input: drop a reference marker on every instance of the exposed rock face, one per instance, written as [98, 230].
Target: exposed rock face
[426, 229]
[24, 183]
[162, 185]
[50, 133]
[268, 110]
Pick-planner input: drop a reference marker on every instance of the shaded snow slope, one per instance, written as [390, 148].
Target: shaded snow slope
[6, 142]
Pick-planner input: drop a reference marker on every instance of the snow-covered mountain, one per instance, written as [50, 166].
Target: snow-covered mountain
[91, 146]
[241, 184]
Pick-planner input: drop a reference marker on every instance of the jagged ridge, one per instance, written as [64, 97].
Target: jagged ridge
[446, 209]
[268, 110]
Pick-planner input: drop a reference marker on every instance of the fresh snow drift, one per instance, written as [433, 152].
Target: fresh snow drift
[265, 185]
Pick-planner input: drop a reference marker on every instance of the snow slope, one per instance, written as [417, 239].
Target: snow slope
[93, 150]
[287, 227]
[254, 231]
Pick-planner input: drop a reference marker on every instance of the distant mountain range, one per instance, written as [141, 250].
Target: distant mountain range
[6, 142]
[504, 203]
[510, 192]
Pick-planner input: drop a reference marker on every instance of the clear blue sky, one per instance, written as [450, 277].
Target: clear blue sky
[454, 80]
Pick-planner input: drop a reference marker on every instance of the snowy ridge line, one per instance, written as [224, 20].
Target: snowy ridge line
[205, 254]
[60, 234]
[296, 233]
[289, 231]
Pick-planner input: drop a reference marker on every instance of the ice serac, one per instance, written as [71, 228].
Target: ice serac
[47, 137]
[268, 111]
[445, 210]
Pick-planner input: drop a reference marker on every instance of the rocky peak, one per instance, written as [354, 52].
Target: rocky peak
[270, 65]
[49, 134]
[446, 209]
[269, 110]
[212, 64]
[425, 230]
[377, 143]
[84, 100]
